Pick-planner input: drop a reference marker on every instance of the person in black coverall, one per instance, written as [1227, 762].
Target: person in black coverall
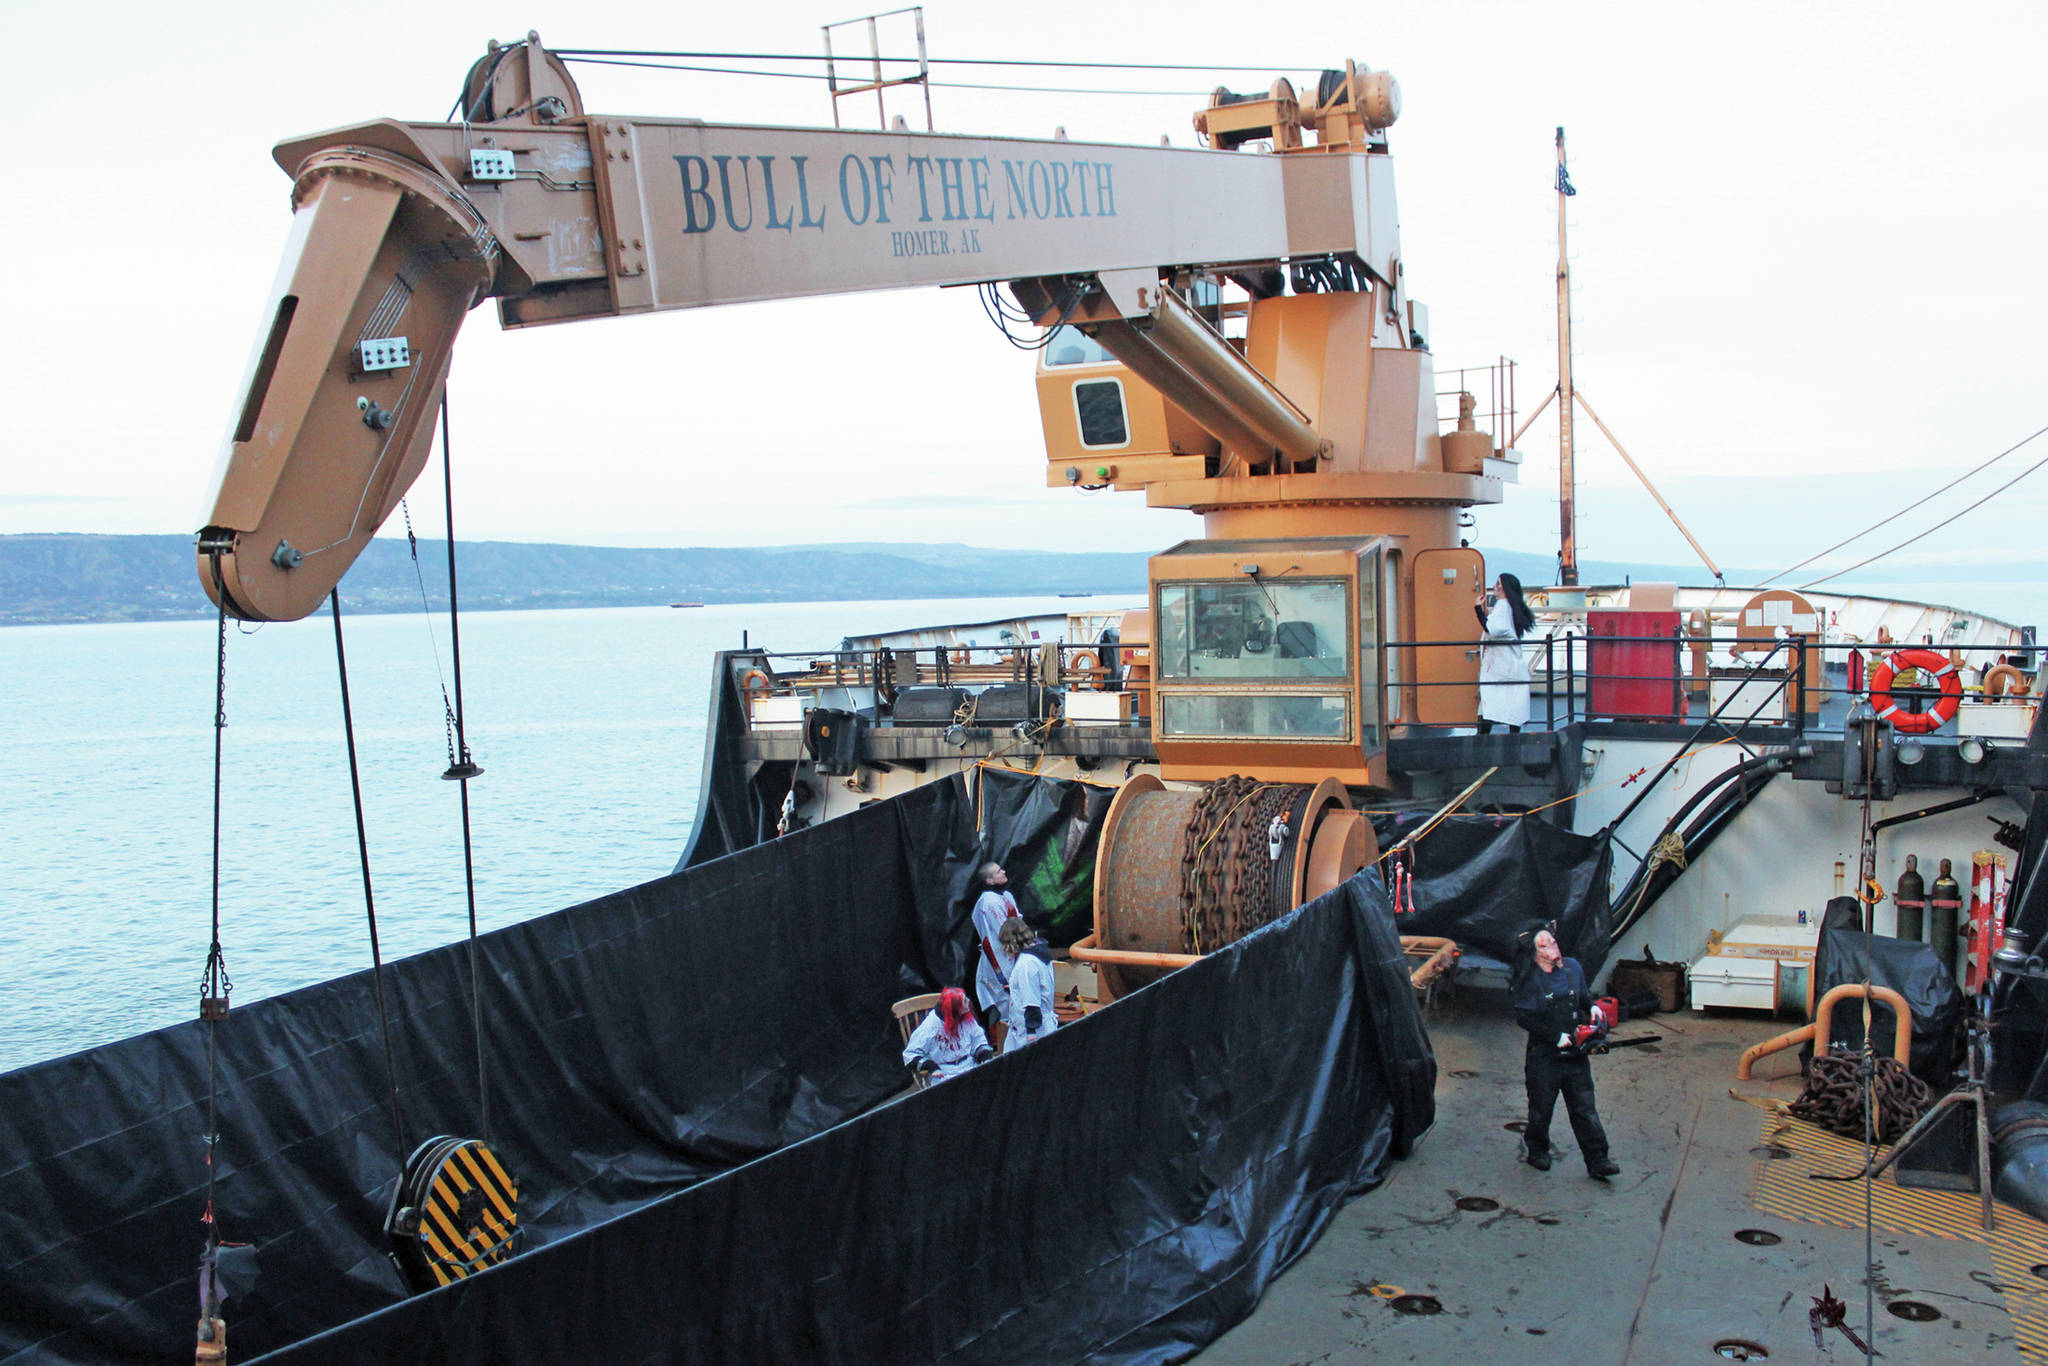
[1551, 1001]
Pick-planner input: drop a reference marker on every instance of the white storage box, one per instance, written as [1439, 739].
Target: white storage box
[1725, 980]
[777, 713]
[1738, 698]
[1768, 936]
[1996, 720]
[1084, 707]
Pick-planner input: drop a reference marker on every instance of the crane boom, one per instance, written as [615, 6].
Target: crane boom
[400, 229]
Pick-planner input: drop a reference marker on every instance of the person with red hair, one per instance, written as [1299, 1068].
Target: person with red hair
[948, 1041]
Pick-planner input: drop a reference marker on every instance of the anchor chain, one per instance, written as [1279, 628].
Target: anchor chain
[1833, 1097]
[1229, 869]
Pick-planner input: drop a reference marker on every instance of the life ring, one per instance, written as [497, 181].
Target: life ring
[1916, 722]
[756, 681]
[2001, 679]
[960, 655]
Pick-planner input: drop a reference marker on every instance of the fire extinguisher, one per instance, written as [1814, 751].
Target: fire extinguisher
[1987, 915]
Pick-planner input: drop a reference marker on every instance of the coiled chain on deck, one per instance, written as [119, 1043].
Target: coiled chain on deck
[1833, 1097]
[1227, 870]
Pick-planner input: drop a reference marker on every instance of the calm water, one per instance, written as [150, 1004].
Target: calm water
[589, 724]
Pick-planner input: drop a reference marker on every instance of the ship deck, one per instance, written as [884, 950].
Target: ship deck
[1645, 1269]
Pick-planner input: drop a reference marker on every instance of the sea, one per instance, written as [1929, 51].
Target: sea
[589, 726]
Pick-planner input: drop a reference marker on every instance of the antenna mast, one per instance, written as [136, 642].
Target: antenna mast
[1567, 516]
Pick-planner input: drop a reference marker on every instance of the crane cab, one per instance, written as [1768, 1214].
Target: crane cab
[1105, 426]
[1267, 658]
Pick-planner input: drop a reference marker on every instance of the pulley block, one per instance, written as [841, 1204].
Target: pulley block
[455, 1211]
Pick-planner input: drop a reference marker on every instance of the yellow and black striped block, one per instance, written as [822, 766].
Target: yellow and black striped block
[456, 1212]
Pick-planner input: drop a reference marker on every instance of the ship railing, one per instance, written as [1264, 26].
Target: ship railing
[885, 671]
[1789, 683]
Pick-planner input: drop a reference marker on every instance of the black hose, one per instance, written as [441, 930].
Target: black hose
[1726, 804]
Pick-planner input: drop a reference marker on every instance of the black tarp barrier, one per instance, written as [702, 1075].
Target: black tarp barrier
[1044, 831]
[1482, 880]
[1123, 1190]
[1935, 1001]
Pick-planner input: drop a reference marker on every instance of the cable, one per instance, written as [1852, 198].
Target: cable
[571, 53]
[214, 984]
[1900, 513]
[992, 303]
[1938, 525]
[935, 85]
[355, 783]
[462, 768]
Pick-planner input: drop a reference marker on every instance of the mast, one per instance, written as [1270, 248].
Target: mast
[1567, 519]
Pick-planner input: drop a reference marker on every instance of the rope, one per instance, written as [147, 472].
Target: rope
[355, 784]
[461, 768]
[214, 983]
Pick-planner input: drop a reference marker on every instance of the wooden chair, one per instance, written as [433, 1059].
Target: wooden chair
[910, 1013]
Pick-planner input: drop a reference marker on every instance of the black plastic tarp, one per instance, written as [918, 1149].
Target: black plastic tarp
[1043, 831]
[1121, 1191]
[1482, 880]
[1909, 968]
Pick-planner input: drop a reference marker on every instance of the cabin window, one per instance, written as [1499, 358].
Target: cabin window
[1099, 409]
[1272, 629]
[1265, 716]
[1071, 346]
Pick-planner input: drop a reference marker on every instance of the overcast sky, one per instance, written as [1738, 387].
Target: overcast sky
[1807, 255]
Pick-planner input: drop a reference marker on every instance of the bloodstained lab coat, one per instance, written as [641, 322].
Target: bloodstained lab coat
[1030, 985]
[954, 1055]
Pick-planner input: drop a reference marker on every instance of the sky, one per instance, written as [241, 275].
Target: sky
[1806, 252]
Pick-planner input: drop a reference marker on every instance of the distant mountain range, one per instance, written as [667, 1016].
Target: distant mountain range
[51, 579]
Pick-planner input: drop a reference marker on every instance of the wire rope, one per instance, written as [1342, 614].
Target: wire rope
[1967, 474]
[461, 768]
[214, 983]
[355, 783]
[935, 85]
[587, 53]
[1826, 578]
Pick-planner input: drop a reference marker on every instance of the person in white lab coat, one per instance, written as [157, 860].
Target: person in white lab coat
[1031, 990]
[948, 1041]
[992, 909]
[1503, 672]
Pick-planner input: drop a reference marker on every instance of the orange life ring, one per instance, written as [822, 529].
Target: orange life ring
[756, 681]
[1916, 722]
[960, 655]
[1084, 659]
[2001, 679]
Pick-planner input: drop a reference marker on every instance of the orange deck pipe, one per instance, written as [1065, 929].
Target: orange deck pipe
[1821, 1028]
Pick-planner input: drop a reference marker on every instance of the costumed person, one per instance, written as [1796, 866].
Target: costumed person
[1552, 1004]
[992, 908]
[1503, 673]
[1031, 990]
[949, 1040]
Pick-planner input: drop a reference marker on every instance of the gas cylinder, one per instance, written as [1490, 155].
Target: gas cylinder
[1910, 896]
[1944, 901]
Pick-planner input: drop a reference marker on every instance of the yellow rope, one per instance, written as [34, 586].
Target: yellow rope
[1224, 819]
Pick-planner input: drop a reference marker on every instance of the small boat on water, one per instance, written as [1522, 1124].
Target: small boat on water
[686, 604]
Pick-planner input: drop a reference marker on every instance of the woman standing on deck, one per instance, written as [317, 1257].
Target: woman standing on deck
[1503, 674]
